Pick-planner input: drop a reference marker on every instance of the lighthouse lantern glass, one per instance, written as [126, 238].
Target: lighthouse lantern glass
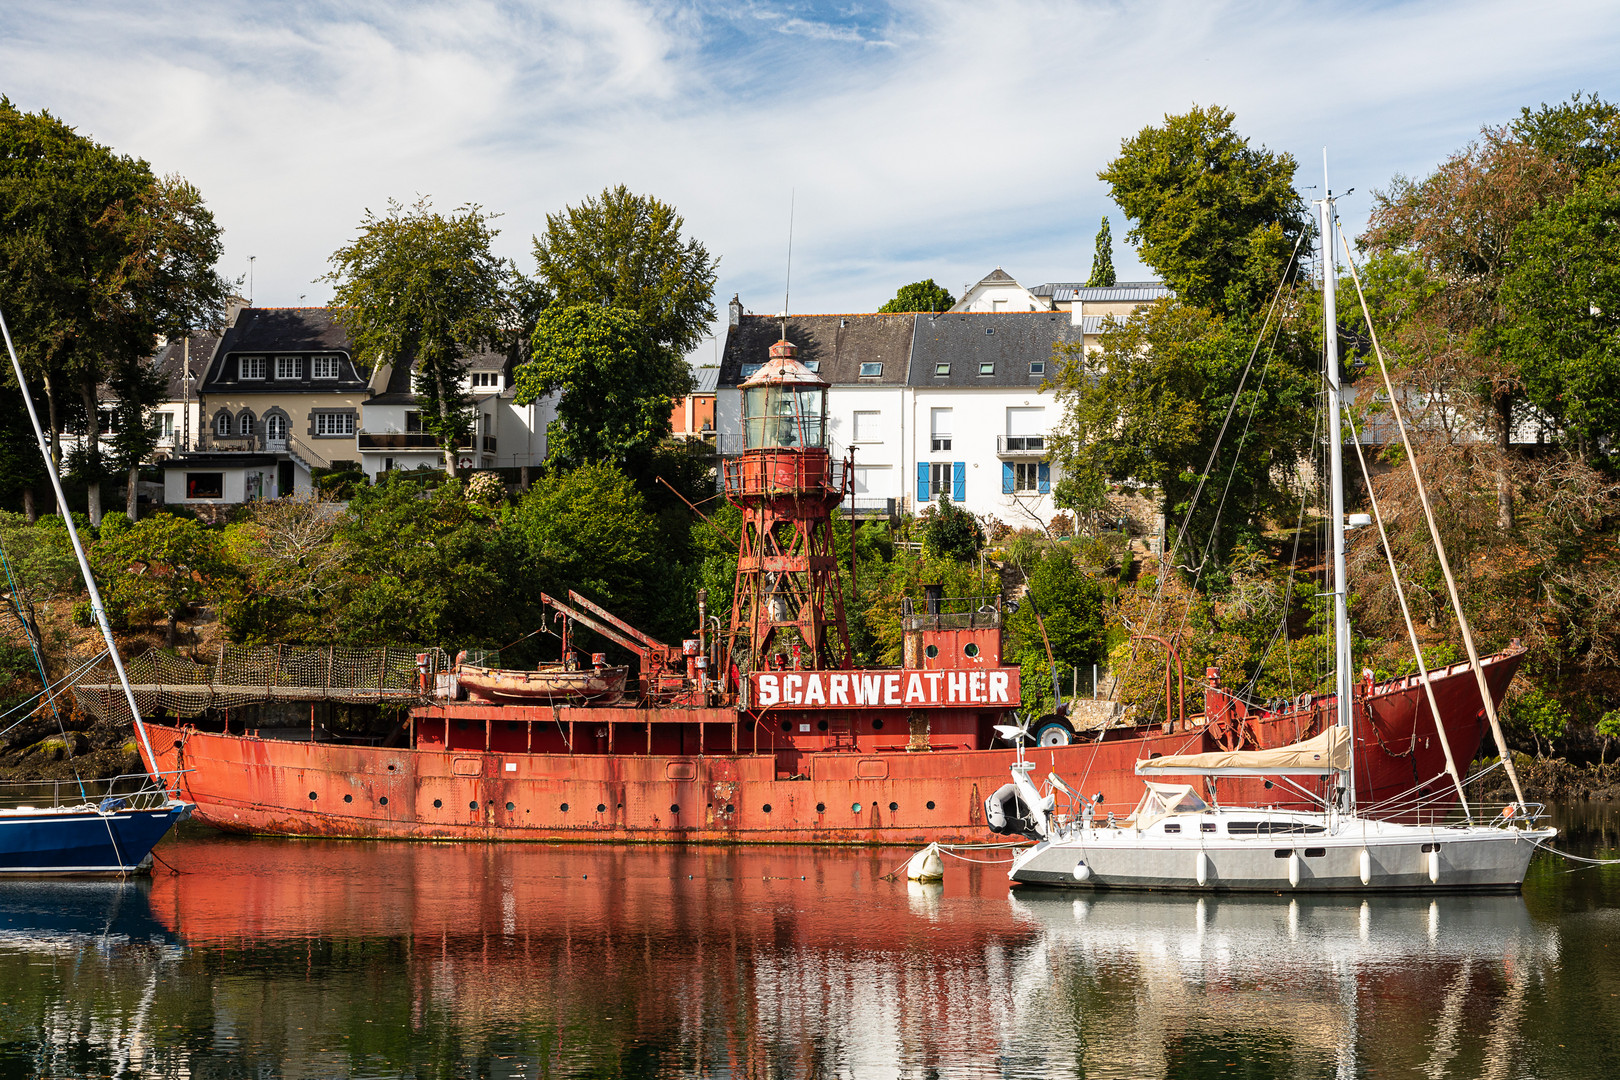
[784, 416]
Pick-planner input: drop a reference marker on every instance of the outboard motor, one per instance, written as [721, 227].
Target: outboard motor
[1006, 813]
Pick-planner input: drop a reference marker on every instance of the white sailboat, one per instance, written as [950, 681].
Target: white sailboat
[1178, 839]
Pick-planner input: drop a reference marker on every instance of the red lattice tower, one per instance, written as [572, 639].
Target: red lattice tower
[787, 596]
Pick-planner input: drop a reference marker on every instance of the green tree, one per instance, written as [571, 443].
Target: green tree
[97, 258]
[1215, 217]
[1563, 292]
[626, 251]
[950, 532]
[616, 382]
[424, 288]
[922, 295]
[423, 567]
[163, 567]
[1102, 262]
[136, 385]
[1582, 133]
[1149, 407]
[1073, 608]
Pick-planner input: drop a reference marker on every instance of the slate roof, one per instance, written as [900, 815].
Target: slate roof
[171, 359]
[399, 391]
[1010, 340]
[269, 331]
[1062, 292]
[834, 346]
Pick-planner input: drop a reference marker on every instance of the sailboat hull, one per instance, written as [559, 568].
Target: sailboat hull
[83, 841]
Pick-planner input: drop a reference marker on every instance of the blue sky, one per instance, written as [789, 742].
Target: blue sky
[913, 139]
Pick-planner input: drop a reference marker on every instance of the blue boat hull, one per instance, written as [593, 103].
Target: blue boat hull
[84, 840]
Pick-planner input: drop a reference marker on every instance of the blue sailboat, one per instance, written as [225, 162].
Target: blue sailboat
[102, 834]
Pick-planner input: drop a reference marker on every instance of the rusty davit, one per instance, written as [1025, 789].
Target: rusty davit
[761, 729]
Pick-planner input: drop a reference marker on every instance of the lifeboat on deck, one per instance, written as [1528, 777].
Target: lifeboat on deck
[550, 683]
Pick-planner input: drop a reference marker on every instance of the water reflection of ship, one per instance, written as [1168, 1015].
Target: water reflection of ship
[1306, 975]
[65, 916]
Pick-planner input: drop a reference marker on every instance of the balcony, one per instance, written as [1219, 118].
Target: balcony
[396, 440]
[1021, 446]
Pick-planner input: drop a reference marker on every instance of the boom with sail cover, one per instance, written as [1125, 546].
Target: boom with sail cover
[1326, 753]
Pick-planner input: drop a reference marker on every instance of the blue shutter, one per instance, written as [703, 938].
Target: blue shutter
[1006, 478]
[922, 483]
[1043, 478]
[958, 482]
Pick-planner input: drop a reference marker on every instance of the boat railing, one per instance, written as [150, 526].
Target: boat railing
[134, 791]
[950, 613]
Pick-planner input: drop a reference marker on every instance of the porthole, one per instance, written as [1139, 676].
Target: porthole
[601, 808]
[730, 808]
[313, 796]
[391, 768]
[854, 808]
[767, 808]
[930, 804]
[971, 648]
[893, 807]
[931, 652]
[473, 805]
[787, 725]
[821, 808]
[383, 801]
[438, 804]
[510, 807]
[563, 807]
[821, 725]
[674, 808]
[348, 798]
[877, 725]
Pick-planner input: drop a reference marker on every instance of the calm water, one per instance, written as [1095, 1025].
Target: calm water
[272, 959]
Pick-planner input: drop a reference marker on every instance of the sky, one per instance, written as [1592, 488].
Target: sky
[904, 140]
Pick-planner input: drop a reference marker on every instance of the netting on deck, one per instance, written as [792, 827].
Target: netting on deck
[254, 674]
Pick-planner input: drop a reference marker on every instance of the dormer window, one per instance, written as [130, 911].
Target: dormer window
[486, 380]
[323, 367]
[872, 371]
[289, 368]
[251, 367]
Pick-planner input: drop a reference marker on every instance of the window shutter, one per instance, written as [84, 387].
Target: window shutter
[922, 484]
[1006, 478]
[1043, 478]
[958, 482]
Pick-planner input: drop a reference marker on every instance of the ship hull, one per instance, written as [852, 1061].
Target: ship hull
[795, 791]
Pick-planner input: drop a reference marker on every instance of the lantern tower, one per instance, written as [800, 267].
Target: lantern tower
[788, 609]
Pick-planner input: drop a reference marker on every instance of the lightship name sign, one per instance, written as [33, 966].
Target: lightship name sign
[884, 689]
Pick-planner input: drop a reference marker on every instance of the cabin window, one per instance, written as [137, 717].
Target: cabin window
[1172, 828]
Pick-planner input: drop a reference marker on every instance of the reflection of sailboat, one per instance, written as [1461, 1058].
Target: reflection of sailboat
[1178, 838]
[63, 916]
[1302, 975]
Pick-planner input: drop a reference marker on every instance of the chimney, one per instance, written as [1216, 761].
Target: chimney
[734, 309]
[1077, 309]
[234, 307]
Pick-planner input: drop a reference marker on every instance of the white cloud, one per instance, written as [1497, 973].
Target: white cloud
[970, 137]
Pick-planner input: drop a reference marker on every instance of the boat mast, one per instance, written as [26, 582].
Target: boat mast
[1341, 616]
[96, 605]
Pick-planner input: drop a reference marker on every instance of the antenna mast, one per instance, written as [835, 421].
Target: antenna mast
[787, 284]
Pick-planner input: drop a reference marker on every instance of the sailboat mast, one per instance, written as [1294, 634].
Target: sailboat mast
[1341, 615]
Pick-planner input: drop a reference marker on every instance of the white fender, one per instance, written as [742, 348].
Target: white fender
[926, 865]
[1082, 872]
[1201, 869]
[1434, 864]
[1293, 868]
[1365, 862]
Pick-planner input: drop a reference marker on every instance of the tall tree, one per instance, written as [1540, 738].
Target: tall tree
[423, 288]
[1582, 133]
[625, 250]
[136, 385]
[1217, 218]
[616, 383]
[1102, 262]
[97, 258]
[922, 295]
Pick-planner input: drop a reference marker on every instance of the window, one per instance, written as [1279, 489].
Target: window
[1026, 429]
[289, 367]
[331, 423]
[205, 485]
[251, 367]
[323, 367]
[939, 479]
[1037, 367]
[871, 370]
[275, 427]
[486, 380]
[939, 424]
[413, 422]
[167, 421]
[868, 427]
[988, 367]
[1026, 477]
[108, 421]
[222, 424]
[812, 365]
[942, 369]
[244, 423]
